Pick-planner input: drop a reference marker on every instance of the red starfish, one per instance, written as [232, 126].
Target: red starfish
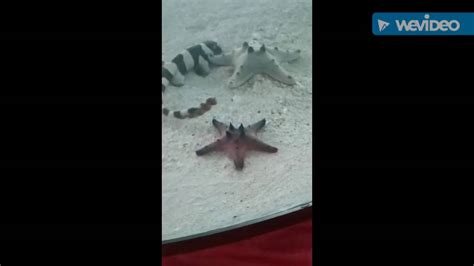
[237, 141]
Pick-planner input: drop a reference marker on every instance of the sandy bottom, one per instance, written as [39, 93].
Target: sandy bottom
[204, 193]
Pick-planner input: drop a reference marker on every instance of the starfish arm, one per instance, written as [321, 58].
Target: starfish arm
[215, 146]
[274, 70]
[257, 145]
[242, 73]
[222, 60]
[238, 156]
[221, 127]
[284, 56]
[254, 128]
[239, 163]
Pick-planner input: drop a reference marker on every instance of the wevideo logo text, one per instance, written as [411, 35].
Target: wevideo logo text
[423, 24]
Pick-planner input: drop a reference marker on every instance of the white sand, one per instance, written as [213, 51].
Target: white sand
[204, 193]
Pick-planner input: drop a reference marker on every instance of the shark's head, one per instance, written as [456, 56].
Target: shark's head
[215, 48]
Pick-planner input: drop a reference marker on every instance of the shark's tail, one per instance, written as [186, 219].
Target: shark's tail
[193, 111]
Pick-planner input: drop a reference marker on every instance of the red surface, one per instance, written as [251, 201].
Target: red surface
[285, 241]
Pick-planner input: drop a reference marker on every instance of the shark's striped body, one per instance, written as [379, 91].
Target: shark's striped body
[194, 58]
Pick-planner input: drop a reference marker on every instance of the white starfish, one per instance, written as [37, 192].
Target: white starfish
[249, 62]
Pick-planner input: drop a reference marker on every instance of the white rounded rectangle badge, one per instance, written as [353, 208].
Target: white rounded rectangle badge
[423, 23]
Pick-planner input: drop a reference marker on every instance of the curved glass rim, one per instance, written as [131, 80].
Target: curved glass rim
[239, 225]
